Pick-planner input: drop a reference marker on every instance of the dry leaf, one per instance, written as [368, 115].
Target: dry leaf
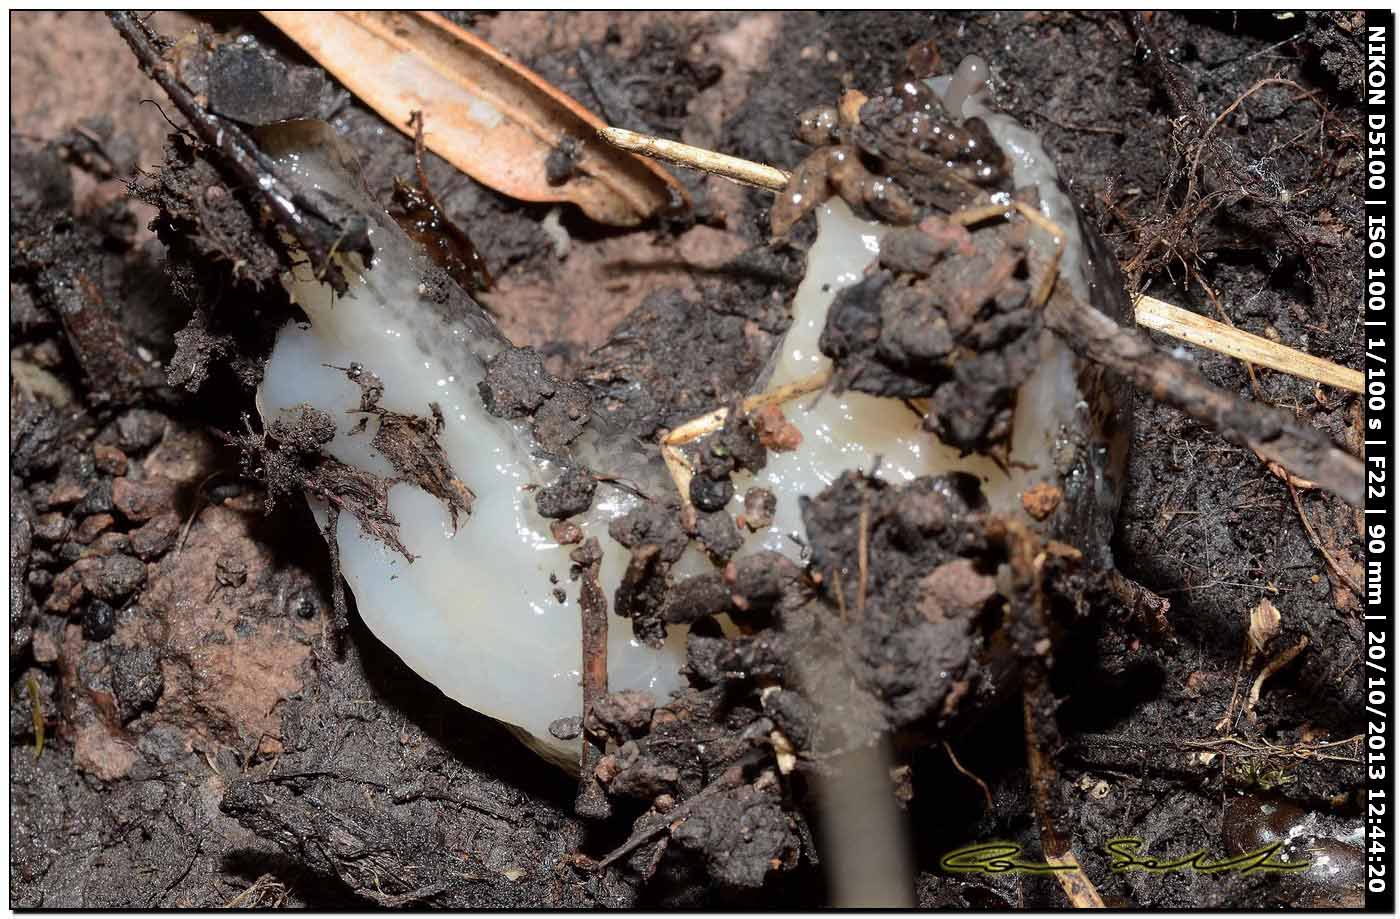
[1264, 622]
[490, 116]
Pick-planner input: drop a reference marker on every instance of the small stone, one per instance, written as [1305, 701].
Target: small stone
[1041, 499]
[249, 84]
[759, 507]
[109, 543]
[137, 681]
[113, 578]
[696, 597]
[67, 592]
[607, 769]
[184, 456]
[93, 527]
[741, 441]
[109, 459]
[571, 494]
[99, 621]
[52, 528]
[140, 500]
[774, 430]
[231, 571]
[139, 429]
[516, 383]
[564, 532]
[587, 553]
[651, 523]
[97, 500]
[98, 752]
[709, 494]
[156, 537]
[645, 779]
[719, 535]
[70, 486]
[622, 714]
[561, 418]
[566, 728]
[45, 646]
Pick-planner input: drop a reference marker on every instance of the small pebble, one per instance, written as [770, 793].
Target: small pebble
[113, 578]
[303, 606]
[139, 429]
[93, 527]
[231, 571]
[759, 506]
[109, 543]
[1041, 499]
[566, 728]
[109, 459]
[564, 532]
[140, 500]
[709, 494]
[156, 537]
[99, 621]
[52, 528]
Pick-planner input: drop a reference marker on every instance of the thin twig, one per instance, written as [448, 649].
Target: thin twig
[1302, 450]
[863, 554]
[745, 172]
[1225, 318]
[1187, 326]
[708, 423]
[713, 421]
[1332, 563]
[986, 792]
[1038, 708]
[592, 801]
[1038, 704]
[1296, 751]
[293, 211]
[1150, 312]
[1272, 667]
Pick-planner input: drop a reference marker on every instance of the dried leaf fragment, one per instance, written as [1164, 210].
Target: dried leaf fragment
[1264, 622]
[491, 117]
[36, 713]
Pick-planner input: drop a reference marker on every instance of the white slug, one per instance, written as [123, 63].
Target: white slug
[475, 613]
[849, 431]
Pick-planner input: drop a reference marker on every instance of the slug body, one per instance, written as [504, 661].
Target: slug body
[475, 611]
[485, 608]
[1070, 426]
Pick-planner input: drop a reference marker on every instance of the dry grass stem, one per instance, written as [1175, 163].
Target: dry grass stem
[1196, 329]
[708, 423]
[1152, 313]
[745, 172]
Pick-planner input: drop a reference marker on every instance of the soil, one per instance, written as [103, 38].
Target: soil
[191, 725]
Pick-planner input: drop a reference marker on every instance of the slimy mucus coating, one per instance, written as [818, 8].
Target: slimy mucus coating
[485, 610]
